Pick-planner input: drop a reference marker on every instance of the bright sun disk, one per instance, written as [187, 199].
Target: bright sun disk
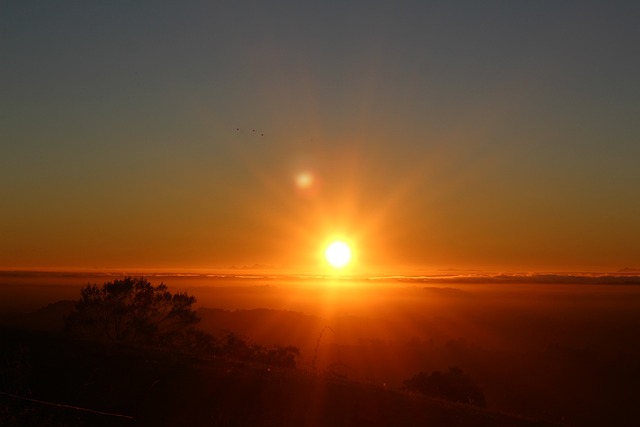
[338, 254]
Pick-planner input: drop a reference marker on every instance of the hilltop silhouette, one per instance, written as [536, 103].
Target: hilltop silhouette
[111, 358]
[563, 357]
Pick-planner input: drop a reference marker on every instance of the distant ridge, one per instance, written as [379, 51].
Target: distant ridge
[625, 275]
[535, 278]
[629, 270]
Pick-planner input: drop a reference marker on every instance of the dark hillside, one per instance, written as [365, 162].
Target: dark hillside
[48, 318]
[579, 385]
[166, 389]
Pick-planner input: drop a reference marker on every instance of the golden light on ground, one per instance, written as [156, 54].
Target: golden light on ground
[338, 254]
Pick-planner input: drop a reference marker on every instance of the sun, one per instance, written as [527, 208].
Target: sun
[338, 254]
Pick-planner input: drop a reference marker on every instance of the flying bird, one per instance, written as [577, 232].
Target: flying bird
[252, 130]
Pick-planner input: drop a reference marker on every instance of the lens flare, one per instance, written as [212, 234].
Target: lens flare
[304, 180]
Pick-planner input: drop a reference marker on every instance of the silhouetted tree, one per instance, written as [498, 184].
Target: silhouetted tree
[280, 356]
[452, 385]
[133, 310]
[236, 347]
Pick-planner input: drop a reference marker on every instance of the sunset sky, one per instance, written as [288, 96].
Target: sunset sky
[429, 135]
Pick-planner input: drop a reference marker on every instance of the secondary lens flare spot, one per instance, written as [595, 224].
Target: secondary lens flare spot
[338, 254]
[304, 180]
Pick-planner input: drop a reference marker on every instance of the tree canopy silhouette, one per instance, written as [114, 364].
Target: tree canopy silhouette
[132, 310]
[451, 385]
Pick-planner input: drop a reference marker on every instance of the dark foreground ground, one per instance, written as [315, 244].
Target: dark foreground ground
[138, 387]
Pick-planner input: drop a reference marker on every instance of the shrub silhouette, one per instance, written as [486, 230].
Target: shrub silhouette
[132, 310]
[236, 347]
[451, 385]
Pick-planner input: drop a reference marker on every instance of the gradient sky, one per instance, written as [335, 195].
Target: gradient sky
[494, 135]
